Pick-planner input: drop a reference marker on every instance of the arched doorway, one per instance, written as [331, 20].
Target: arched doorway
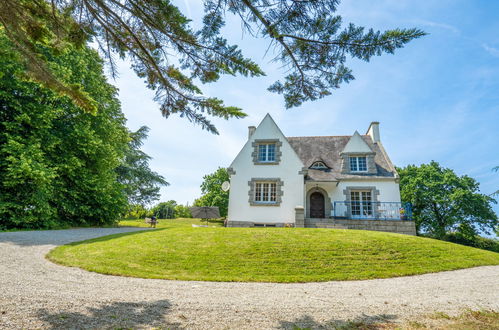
[317, 205]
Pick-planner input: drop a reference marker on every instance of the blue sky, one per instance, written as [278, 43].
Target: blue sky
[436, 99]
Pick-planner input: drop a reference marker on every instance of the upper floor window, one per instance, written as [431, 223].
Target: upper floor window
[266, 152]
[358, 164]
[319, 166]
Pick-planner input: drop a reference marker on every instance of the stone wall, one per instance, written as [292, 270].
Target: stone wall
[393, 226]
[248, 224]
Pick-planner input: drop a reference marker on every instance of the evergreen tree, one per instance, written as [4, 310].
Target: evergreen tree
[309, 39]
[141, 184]
[165, 210]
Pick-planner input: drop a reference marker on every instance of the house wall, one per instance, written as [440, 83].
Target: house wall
[241, 213]
[389, 191]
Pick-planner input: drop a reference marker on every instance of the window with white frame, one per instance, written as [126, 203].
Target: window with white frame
[358, 164]
[266, 152]
[361, 204]
[265, 192]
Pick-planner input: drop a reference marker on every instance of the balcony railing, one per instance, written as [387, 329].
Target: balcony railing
[372, 210]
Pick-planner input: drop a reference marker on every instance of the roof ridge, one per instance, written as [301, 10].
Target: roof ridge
[321, 136]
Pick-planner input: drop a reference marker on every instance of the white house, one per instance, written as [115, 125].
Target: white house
[315, 181]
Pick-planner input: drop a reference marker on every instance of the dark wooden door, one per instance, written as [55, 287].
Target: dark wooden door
[317, 205]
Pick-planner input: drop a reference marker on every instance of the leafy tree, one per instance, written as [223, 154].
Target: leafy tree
[141, 184]
[444, 202]
[182, 211]
[213, 195]
[165, 210]
[308, 38]
[57, 162]
[137, 211]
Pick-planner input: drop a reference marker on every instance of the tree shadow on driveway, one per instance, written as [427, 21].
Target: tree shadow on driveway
[65, 236]
[361, 322]
[116, 315]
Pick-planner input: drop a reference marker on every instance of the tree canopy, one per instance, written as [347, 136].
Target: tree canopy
[213, 195]
[443, 201]
[57, 162]
[308, 37]
[141, 184]
[165, 210]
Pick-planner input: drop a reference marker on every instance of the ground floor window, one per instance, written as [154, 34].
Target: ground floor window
[361, 203]
[265, 192]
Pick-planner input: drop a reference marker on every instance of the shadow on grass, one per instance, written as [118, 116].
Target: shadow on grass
[116, 315]
[364, 322]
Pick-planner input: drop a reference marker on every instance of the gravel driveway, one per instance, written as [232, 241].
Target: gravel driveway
[35, 293]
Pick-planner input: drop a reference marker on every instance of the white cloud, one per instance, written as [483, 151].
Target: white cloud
[491, 50]
[437, 25]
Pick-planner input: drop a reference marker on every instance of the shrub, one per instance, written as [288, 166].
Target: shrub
[474, 241]
[165, 210]
[182, 211]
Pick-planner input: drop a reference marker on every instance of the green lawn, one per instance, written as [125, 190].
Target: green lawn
[178, 251]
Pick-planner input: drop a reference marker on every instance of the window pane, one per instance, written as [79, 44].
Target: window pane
[265, 192]
[262, 152]
[353, 164]
[258, 192]
[273, 190]
[367, 207]
[362, 163]
[355, 199]
[270, 152]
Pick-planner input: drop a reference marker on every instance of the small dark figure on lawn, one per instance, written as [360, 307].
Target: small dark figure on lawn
[154, 221]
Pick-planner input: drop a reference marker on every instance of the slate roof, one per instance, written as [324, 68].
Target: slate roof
[328, 148]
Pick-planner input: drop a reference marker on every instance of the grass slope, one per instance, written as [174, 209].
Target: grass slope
[178, 251]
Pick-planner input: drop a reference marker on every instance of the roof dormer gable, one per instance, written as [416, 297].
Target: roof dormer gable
[356, 145]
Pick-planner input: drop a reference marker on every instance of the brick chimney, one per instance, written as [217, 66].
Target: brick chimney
[373, 131]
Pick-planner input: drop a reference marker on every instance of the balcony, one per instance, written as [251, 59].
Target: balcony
[372, 210]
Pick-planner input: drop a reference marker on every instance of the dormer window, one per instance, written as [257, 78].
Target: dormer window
[358, 164]
[319, 166]
[266, 152]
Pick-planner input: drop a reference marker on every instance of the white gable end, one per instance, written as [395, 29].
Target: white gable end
[285, 170]
[356, 144]
[267, 129]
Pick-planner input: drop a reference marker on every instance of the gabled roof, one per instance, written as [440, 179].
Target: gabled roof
[328, 148]
[356, 144]
[266, 129]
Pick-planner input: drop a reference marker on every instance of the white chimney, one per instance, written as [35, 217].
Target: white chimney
[373, 131]
[251, 130]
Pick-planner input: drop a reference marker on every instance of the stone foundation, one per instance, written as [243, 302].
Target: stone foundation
[393, 226]
[248, 224]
